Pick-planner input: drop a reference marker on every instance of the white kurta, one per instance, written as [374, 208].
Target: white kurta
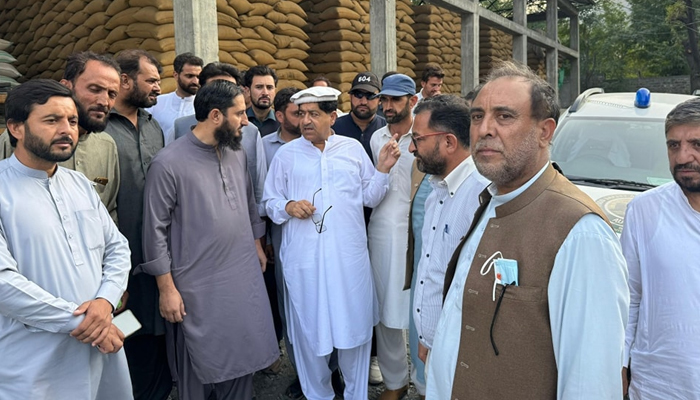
[58, 248]
[661, 242]
[328, 276]
[388, 235]
[170, 107]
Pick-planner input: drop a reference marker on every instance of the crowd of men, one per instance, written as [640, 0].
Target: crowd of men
[231, 215]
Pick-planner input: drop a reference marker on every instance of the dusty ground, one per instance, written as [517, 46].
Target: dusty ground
[272, 387]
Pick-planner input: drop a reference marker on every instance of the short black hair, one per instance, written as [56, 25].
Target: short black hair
[186, 58]
[283, 98]
[218, 94]
[21, 100]
[328, 106]
[130, 61]
[217, 69]
[322, 78]
[258, 70]
[432, 70]
[448, 113]
[76, 62]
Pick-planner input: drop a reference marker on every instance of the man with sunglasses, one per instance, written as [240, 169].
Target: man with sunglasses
[316, 188]
[362, 121]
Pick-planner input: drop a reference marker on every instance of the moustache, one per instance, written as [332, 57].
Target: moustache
[63, 140]
[690, 166]
[99, 109]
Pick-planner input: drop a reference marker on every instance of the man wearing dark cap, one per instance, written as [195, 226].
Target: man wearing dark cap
[362, 121]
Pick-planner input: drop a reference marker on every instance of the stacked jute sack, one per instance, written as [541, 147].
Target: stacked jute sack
[494, 47]
[406, 57]
[8, 73]
[265, 32]
[438, 35]
[47, 32]
[339, 36]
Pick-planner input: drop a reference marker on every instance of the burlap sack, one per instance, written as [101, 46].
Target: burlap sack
[46, 18]
[259, 9]
[162, 45]
[96, 6]
[289, 7]
[227, 20]
[168, 85]
[257, 44]
[165, 58]
[340, 56]
[57, 76]
[68, 50]
[228, 33]
[276, 17]
[241, 6]
[335, 67]
[116, 6]
[279, 64]
[65, 29]
[244, 60]
[232, 46]
[159, 4]
[75, 5]
[290, 74]
[131, 43]
[286, 54]
[291, 30]
[341, 35]
[226, 57]
[152, 15]
[117, 34]
[261, 57]
[298, 44]
[297, 64]
[339, 12]
[52, 41]
[296, 20]
[265, 34]
[223, 7]
[283, 83]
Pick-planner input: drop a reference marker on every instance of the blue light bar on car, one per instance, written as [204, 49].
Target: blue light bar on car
[643, 98]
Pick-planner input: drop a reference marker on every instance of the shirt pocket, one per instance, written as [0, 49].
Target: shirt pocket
[90, 226]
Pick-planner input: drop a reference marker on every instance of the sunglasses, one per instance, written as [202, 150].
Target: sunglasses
[363, 95]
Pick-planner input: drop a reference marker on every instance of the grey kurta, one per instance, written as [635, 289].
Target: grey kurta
[200, 224]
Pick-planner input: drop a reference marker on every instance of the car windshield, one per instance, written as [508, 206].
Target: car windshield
[633, 151]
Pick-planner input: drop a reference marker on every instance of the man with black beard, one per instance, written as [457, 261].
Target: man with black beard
[202, 243]
[179, 103]
[260, 83]
[94, 81]
[139, 137]
[441, 146]
[362, 121]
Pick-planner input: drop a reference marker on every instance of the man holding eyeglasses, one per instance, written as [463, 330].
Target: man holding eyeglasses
[362, 121]
[388, 235]
[316, 189]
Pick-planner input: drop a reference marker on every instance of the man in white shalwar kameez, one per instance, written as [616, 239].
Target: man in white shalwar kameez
[661, 243]
[63, 263]
[388, 235]
[316, 188]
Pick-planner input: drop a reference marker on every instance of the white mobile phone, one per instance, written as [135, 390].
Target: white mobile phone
[127, 323]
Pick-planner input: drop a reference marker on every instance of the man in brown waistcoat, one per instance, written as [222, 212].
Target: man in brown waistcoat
[538, 299]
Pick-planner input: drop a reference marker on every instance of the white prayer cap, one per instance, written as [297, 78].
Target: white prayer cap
[315, 94]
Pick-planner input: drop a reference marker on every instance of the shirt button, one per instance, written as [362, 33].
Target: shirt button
[433, 228]
[420, 337]
[427, 255]
[421, 282]
[65, 217]
[418, 309]
[440, 201]
[70, 236]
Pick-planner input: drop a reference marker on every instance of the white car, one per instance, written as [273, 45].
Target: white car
[613, 146]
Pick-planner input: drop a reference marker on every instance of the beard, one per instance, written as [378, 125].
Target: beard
[363, 115]
[688, 184]
[42, 150]
[431, 163]
[139, 99]
[92, 124]
[399, 116]
[190, 89]
[513, 163]
[291, 128]
[257, 103]
[226, 136]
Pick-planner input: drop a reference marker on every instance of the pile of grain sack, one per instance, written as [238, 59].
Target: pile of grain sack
[8, 73]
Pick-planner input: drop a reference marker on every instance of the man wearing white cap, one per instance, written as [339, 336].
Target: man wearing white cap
[316, 188]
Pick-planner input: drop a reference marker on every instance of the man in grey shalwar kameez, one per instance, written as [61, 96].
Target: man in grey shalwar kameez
[201, 230]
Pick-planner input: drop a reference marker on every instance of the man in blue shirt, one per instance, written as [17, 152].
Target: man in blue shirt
[260, 84]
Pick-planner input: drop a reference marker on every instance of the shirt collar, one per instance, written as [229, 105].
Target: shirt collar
[31, 172]
[504, 198]
[455, 178]
[140, 113]
[277, 137]
[250, 114]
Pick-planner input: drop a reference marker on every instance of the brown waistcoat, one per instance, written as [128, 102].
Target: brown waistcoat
[529, 229]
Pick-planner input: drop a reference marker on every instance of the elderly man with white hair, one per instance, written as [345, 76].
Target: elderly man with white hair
[316, 188]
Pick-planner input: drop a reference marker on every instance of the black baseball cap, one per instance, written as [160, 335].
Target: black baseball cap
[366, 81]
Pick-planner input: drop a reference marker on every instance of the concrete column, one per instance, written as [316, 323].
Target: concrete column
[382, 28]
[520, 41]
[575, 78]
[552, 54]
[196, 28]
[470, 52]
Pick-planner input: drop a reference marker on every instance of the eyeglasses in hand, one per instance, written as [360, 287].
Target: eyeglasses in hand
[317, 218]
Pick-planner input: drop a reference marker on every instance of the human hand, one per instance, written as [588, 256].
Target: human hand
[98, 317]
[301, 209]
[261, 255]
[389, 154]
[625, 382]
[270, 254]
[422, 352]
[113, 341]
[172, 308]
